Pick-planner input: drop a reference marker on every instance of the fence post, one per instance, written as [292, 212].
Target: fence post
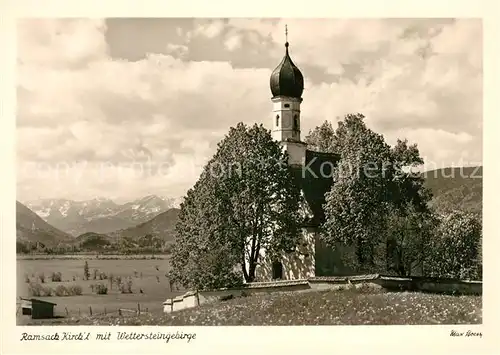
[104, 310]
[90, 308]
[119, 312]
[67, 313]
[138, 308]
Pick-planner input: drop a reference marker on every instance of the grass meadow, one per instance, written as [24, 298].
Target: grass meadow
[346, 307]
[147, 275]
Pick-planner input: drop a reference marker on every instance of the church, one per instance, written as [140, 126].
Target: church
[313, 173]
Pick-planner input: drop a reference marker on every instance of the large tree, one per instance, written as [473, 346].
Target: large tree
[245, 201]
[456, 249]
[372, 182]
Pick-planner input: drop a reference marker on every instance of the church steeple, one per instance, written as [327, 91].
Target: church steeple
[287, 86]
[286, 79]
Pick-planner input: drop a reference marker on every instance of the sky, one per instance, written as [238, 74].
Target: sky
[123, 108]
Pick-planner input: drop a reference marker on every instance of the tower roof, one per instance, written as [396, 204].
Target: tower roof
[286, 79]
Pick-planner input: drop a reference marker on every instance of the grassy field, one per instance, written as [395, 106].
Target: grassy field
[146, 275]
[349, 307]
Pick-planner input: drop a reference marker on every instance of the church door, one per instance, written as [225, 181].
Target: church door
[277, 270]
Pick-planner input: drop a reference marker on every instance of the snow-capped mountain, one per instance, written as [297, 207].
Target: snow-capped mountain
[99, 215]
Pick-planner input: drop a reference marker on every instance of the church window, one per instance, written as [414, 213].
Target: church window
[277, 270]
[277, 120]
[287, 105]
[296, 122]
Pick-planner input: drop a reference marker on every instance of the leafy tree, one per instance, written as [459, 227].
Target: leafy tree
[86, 271]
[245, 201]
[356, 206]
[457, 247]
[373, 186]
[409, 234]
[322, 138]
[22, 248]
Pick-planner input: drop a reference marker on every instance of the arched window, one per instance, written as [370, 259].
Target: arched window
[296, 121]
[277, 120]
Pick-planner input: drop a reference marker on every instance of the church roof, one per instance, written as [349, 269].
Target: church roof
[286, 79]
[315, 180]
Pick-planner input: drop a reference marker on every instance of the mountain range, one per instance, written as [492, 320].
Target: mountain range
[99, 215]
[457, 188]
[32, 228]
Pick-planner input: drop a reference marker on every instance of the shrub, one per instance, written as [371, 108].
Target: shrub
[86, 272]
[42, 277]
[61, 291]
[26, 278]
[56, 277]
[75, 290]
[103, 276]
[35, 289]
[456, 248]
[101, 289]
[47, 291]
[126, 287]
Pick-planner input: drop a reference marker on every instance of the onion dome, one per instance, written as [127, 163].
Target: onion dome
[286, 79]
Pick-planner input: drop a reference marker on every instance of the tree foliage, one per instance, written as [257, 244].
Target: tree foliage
[245, 201]
[456, 248]
[322, 138]
[409, 234]
[372, 187]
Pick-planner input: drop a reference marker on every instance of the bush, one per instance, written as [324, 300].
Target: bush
[103, 276]
[42, 277]
[37, 290]
[86, 272]
[118, 281]
[26, 278]
[61, 291]
[101, 289]
[56, 277]
[455, 251]
[126, 287]
[75, 290]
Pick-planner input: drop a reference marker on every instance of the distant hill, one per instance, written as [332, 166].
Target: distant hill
[99, 215]
[31, 228]
[92, 241]
[162, 226]
[456, 188]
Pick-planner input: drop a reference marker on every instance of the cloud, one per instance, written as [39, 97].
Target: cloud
[85, 97]
[232, 42]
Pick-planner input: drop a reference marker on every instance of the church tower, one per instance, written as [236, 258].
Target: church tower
[287, 86]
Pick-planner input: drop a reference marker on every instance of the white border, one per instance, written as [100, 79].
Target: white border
[325, 339]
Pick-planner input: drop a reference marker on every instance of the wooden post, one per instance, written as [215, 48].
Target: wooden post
[138, 308]
[119, 312]
[67, 313]
[90, 308]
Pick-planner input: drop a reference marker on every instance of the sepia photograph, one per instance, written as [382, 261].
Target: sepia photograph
[249, 171]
